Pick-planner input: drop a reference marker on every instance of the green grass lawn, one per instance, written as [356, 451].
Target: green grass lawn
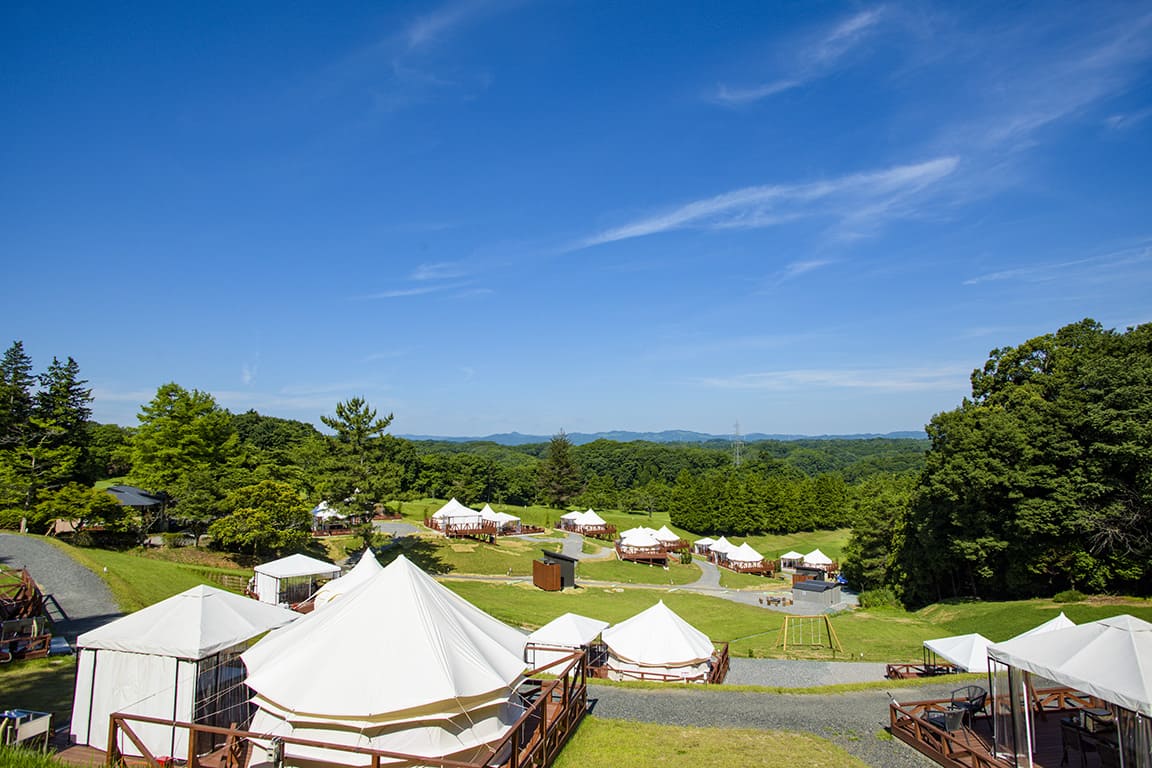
[830, 543]
[732, 580]
[507, 557]
[626, 572]
[617, 742]
[44, 685]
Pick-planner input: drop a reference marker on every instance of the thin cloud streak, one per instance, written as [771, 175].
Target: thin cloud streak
[765, 206]
[1047, 272]
[814, 60]
[888, 380]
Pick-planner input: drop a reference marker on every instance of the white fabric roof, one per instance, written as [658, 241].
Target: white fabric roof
[792, 555]
[704, 542]
[969, 652]
[454, 508]
[816, 557]
[296, 565]
[590, 518]
[325, 512]
[639, 539]
[665, 534]
[568, 631]
[1109, 659]
[639, 530]
[722, 545]
[1057, 622]
[440, 648]
[364, 570]
[500, 518]
[194, 624]
[658, 637]
[571, 515]
[745, 554]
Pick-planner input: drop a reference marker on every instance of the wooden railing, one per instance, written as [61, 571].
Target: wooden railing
[763, 568]
[717, 668]
[625, 551]
[596, 531]
[901, 671]
[555, 710]
[910, 723]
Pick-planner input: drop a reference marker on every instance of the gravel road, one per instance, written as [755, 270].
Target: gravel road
[82, 595]
[850, 720]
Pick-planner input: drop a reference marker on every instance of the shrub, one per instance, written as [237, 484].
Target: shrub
[686, 557]
[879, 598]
[174, 540]
[1069, 596]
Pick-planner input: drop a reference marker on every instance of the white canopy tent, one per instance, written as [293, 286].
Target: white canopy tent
[817, 559]
[1110, 659]
[666, 536]
[1057, 622]
[589, 519]
[455, 513]
[323, 511]
[176, 660]
[364, 570]
[445, 688]
[968, 652]
[745, 554]
[791, 559]
[560, 637]
[721, 547]
[291, 579]
[501, 519]
[639, 540]
[702, 546]
[640, 531]
[658, 644]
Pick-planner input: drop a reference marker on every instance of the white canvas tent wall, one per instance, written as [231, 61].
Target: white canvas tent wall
[968, 652]
[291, 579]
[817, 559]
[666, 535]
[745, 554]
[791, 559]
[456, 513]
[721, 547]
[365, 569]
[1110, 659]
[177, 660]
[565, 634]
[444, 688]
[589, 519]
[657, 643]
[501, 519]
[701, 546]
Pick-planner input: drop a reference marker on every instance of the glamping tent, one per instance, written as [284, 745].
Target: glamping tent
[968, 652]
[702, 546]
[666, 536]
[745, 555]
[1058, 622]
[560, 638]
[503, 520]
[455, 513]
[1108, 659]
[817, 559]
[589, 519]
[656, 644]
[720, 549]
[291, 579]
[364, 570]
[446, 687]
[791, 559]
[178, 659]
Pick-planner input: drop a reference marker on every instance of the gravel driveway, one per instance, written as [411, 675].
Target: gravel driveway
[84, 597]
[850, 720]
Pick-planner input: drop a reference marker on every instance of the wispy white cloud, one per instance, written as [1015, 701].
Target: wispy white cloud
[400, 293]
[445, 270]
[1123, 121]
[814, 58]
[949, 377]
[881, 194]
[797, 268]
[1099, 267]
[247, 373]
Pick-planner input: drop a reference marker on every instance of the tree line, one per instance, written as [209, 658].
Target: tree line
[1040, 482]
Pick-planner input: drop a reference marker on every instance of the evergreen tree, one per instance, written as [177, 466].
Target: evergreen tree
[16, 398]
[182, 432]
[559, 476]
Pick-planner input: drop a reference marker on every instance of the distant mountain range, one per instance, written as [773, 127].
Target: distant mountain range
[667, 436]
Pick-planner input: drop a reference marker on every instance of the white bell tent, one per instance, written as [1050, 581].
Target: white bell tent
[702, 546]
[968, 652]
[444, 688]
[365, 569]
[667, 536]
[657, 644]
[455, 513]
[817, 559]
[589, 519]
[791, 559]
[291, 579]
[503, 520]
[1110, 659]
[745, 555]
[721, 547]
[559, 638]
[178, 659]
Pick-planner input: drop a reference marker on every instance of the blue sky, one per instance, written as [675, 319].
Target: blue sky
[492, 216]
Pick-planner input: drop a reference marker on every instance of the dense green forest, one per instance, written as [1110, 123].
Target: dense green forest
[1038, 483]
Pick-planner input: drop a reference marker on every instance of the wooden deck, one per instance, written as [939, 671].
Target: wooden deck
[642, 554]
[923, 725]
[905, 671]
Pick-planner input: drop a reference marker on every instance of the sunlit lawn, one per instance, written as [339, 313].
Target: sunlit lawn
[626, 572]
[43, 685]
[732, 580]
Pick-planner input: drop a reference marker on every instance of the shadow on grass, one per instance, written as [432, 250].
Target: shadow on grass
[422, 552]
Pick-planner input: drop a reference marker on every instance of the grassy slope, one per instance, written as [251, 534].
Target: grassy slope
[43, 685]
[616, 742]
[637, 573]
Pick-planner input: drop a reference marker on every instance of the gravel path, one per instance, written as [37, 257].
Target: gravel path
[851, 720]
[395, 529]
[789, 673]
[85, 598]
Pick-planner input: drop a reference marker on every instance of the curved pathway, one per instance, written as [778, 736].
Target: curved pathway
[853, 721]
[84, 597]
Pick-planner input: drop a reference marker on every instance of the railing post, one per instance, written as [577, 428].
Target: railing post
[114, 756]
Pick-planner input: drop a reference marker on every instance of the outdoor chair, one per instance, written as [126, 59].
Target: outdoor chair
[970, 699]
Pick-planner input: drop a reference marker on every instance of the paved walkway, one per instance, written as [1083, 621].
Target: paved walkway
[85, 598]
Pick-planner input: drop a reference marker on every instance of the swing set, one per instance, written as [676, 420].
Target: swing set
[808, 632]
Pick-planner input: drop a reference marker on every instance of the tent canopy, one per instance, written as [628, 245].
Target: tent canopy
[193, 625]
[968, 652]
[1108, 658]
[361, 573]
[297, 565]
[658, 637]
[324, 511]
[590, 518]
[792, 555]
[704, 542]
[665, 534]
[722, 545]
[1058, 622]
[638, 538]
[745, 554]
[816, 557]
[441, 649]
[568, 631]
[452, 509]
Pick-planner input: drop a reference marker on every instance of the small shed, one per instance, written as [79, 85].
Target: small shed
[554, 571]
[823, 594]
[291, 579]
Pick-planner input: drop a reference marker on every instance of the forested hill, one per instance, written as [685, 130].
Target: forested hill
[665, 436]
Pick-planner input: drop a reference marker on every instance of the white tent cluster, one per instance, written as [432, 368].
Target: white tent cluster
[453, 513]
[175, 660]
[579, 521]
[445, 688]
[723, 551]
